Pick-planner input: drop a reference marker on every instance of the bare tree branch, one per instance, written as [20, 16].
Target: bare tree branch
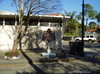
[26, 8]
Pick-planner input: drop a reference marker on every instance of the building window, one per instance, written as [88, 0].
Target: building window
[1, 21]
[54, 24]
[9, 21]
[44, 23]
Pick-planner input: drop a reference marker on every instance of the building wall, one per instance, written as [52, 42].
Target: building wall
[32, 39]
[6, 37]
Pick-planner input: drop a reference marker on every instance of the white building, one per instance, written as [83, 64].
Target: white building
[40, 23]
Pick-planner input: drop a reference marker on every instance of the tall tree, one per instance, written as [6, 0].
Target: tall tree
[71, 14]
[27, 8]
[98, 17]
[79, 16]
[89, 12]
[72, 24]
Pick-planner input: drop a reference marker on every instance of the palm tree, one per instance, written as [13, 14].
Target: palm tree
[72, 24]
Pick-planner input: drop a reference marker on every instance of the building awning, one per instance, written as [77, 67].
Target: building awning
[45, 18]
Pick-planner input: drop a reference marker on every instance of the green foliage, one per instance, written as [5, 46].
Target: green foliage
[98, 17]
[72, 25]
[79, 16]
[79, 33]
[92, 14]
[89, 12]
[87, 9]
[68, 34]
[12, 53]
[92, 25]
[74, 33]
[71, 14]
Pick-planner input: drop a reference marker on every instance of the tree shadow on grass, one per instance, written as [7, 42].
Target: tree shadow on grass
[38, 70]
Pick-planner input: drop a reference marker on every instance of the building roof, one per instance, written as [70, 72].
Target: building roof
[55, 14]
[50, 17]
[6, 13]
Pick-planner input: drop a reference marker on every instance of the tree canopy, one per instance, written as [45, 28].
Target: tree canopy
[72, 25]
[98, 17]
[38, 6]
[89, 12]
[92, 25]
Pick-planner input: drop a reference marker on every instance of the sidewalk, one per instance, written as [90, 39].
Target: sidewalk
[76, 65]
[14, 66]
[93, 53]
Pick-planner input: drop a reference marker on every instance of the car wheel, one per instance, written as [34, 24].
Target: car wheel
[90, 41]
[77, 40]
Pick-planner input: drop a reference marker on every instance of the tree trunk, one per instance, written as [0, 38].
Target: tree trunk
[86, 21]
[17, 40]
[18, 33]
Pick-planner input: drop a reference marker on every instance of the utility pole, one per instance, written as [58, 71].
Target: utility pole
[83, 25]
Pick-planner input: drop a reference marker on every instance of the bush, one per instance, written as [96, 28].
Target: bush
[12, 53]
[68, 34]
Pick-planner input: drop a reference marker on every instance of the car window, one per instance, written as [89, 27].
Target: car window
[91, 36]
[87, 36]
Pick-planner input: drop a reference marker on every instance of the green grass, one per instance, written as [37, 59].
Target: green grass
[12, 53]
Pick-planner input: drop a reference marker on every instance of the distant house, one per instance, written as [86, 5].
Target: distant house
[39, 23]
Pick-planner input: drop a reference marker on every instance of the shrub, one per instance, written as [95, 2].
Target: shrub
[12, 53]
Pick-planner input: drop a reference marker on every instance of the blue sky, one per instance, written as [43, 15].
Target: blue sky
[68, 5]
[76, 5]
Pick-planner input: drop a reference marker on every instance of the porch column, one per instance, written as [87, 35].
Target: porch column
[59, 40]
[58, 37]
[38, 23]
[15, 20]
[3, 21]
[49, 24]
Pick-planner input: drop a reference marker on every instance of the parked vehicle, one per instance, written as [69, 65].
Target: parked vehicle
[66, 38]
[88, 38]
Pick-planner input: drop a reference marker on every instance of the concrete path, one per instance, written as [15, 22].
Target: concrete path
[31, 64]
[14, 66]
